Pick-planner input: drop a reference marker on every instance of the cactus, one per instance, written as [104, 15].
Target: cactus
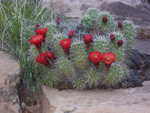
[79, 56]
[93, 78]
[109, 25]
[115, 74]
[102, 45]
[73, 65]
[65, 67]
[90, 19]
[129, 32]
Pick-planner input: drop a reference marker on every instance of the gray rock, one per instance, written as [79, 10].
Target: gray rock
[139, 14]
[80, 6]
[132, 100]
[139, 64]
[135, 10]
[9, 74]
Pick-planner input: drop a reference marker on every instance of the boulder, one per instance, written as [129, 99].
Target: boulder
[132, 100]
[75, 8]
[139, 63]
[139, 14]
[135, 10]
[9, 74]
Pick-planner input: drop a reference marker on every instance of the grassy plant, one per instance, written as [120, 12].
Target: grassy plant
[17, 21]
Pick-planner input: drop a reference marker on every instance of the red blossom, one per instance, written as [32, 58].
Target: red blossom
[37, 26]
[105, 19]
[112, 36]
[119, 42]
[42, 59]
[88, 39]
[41, 31]
[95, 57]
[36, 40]
[50, 55]
[120, 25]
[109, 58]
[66, 44]
[71, 33]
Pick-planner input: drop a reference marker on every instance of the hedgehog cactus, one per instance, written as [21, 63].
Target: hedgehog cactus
[79, 56]
[106, 23]
[129, 32]
[90, 19]
[92, 57]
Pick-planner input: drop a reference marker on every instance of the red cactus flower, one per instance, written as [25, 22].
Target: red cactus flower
[71, 33]
[66, 44]
[112, 36]
[37, 26]
[42, 59]
[50, 55]
[119, 42]
[101, 33]
[109, 58]
[105, 19]
[120, 25]
[36, 40]
[58, 20]
[88, 39]
[95, 57]
[41, 31]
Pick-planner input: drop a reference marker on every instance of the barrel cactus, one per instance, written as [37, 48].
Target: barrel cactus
[91, 54]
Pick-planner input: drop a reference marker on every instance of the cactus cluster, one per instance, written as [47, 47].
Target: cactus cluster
[90, 55]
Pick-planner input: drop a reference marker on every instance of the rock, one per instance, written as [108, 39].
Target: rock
[138, 64]
[75, 8]
[143, 32]
[9, 74]
[138, 61]
[132, 100]
[142, 46]
[135, 10]
[134, 59]
[133, 80]
[139, 14]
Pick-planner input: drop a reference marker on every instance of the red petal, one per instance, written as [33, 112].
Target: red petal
[42, 59]
[109, 58]
[36, 40]
[41, 31]
[88, 38]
